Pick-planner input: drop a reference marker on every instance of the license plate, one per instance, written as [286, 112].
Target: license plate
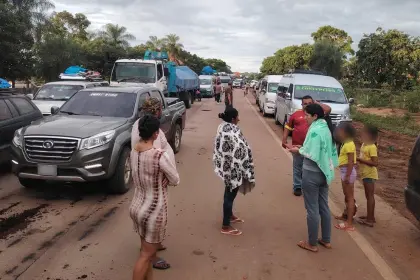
[47, 170]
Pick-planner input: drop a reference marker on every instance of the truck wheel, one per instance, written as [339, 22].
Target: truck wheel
[121, 180]
[187, 101]
[176, 141]
[192, 97]
[30, 183]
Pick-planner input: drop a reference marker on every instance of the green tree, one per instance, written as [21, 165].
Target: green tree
[155, 44]
[116, 35]
[389, 57]
[172, 45]
[64, 23]
[327, 57]
[16, 42]
[218, 65]
[338, 36]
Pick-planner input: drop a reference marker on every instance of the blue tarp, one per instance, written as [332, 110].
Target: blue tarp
[207, 70]
[181, 78]
[72, 70]
[4, 83]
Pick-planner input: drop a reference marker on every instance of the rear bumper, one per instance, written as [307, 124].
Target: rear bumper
[412, 201]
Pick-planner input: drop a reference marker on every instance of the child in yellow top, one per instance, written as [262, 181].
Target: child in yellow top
[368, 162]
[347, 162]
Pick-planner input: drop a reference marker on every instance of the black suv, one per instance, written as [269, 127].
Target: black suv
[16, 111]
[412, 191]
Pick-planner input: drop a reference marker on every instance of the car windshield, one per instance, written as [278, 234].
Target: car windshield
[322, 94]
[134, 72]
[272, 87]
[105, 104]
[205, 82]
[57, 92]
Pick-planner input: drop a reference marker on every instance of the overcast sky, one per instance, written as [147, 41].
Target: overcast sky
[244, 32]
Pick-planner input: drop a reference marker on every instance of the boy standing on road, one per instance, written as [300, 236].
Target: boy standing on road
[298, 124]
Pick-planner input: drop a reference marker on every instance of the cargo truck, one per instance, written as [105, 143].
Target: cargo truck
[155, 69]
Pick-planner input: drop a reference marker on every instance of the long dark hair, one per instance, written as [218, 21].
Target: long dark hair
[316, 109]
[229, 114]
[148, 125]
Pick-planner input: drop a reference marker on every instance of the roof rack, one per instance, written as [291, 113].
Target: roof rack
[79, 77]
[304, 71]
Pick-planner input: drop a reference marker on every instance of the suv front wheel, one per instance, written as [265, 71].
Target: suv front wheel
[121, 180]
[176, 140]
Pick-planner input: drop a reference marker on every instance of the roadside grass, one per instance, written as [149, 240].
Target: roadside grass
[399, 124]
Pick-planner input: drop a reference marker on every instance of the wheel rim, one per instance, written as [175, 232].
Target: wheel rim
[177, 138]
[127, 171]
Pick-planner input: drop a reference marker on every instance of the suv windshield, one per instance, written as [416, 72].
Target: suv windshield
[322, 94]
[272, 87]
[57, 92]
[205, 82]
[134, 72]
[105, 104]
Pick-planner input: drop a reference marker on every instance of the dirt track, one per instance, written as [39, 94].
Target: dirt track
[78, 232]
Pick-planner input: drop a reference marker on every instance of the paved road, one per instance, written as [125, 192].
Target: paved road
[78, 232]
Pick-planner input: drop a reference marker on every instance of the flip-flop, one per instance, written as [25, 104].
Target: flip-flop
[324, 244]
[343, 226]
[233, 232]
[161, 264]
[364, 222]
[237, 221]
[163, 248]
[343, 217]
[304, 245]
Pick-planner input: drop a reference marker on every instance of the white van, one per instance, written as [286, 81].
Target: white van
[324, 89]
[224, 80]
[206, 85]
[268, 94]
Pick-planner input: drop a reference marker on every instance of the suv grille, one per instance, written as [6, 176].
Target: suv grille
[335, 117]
[50, 148]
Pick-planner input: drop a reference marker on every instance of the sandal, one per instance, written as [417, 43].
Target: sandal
[237, 220]
[324, 244]
[161, 264]
[364, 222]
[304, 245]
[345, 227]
[162, 248]
[343, 217]
[233, 231]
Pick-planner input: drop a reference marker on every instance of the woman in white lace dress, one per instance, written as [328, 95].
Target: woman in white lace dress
[153, 171]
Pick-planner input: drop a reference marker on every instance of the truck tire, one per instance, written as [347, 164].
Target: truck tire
[30, 183]
[176, 140]
[121, 180]
[192, 96]
[187, 102]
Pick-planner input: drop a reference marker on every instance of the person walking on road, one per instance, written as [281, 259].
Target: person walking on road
[229, 95]
[218, 88]
[298, 124]
[152, 171]
[233, 163]
[320, 159]
[153, 106]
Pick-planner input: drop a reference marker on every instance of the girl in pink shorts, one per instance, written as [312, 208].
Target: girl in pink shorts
[347, 162]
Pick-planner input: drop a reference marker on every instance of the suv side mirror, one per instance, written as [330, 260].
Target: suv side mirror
[54, 110]
[351, 100]
[166, 72]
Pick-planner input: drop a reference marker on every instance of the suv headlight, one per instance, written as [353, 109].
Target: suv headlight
[97, 140]
[17, 138]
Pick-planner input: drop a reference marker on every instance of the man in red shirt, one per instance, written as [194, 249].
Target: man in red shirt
[298, 124]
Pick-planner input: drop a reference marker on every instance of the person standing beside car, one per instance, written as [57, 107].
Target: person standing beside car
[229, 95]
[299, 126]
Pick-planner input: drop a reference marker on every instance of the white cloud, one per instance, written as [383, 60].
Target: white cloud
[243, 32]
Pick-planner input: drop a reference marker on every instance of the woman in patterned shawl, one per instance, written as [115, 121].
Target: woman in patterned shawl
[233, 162]
[153, 171]
[153, 106]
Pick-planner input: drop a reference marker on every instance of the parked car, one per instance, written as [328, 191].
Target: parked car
[206, 85]
[325, 89]
[412, 191]
[268, 94]
[237, 83]
[57, 93]
[16, 111]
[89, 138]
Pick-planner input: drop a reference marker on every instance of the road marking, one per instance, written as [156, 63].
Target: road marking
[380, 264]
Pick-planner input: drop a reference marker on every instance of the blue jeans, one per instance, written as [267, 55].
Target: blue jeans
[297, 171]
[315, 195]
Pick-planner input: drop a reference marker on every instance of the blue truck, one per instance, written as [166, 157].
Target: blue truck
[155, 69]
